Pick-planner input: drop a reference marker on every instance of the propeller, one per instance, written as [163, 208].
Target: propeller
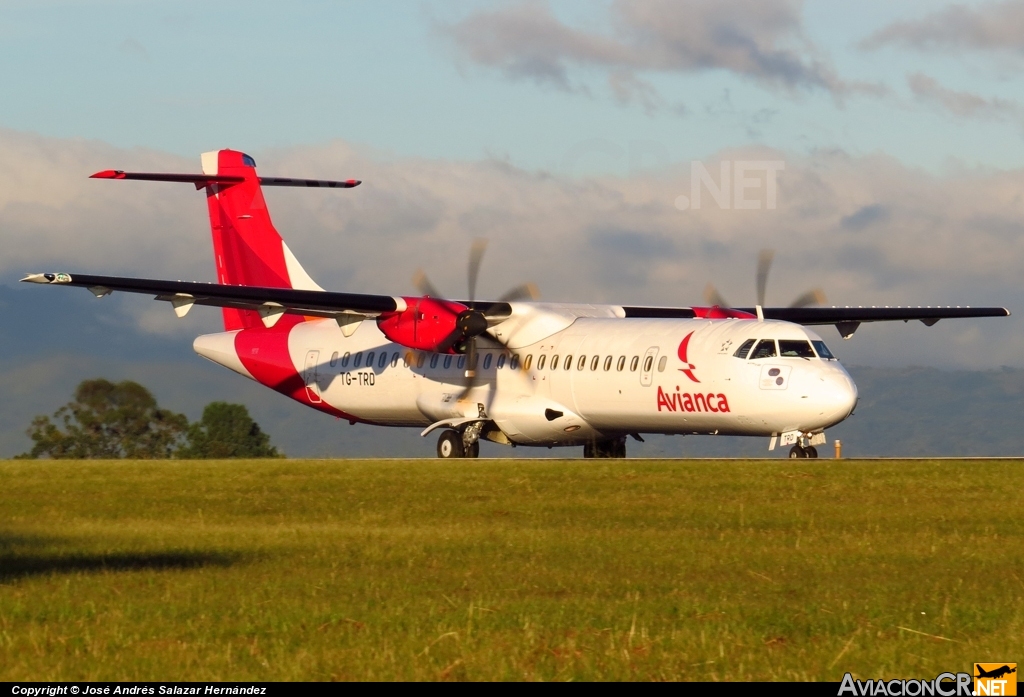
[815, 296]
[472, 322]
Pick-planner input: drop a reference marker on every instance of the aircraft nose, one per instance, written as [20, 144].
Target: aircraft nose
[840, 396]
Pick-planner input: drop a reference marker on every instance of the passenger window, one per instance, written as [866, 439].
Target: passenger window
[795, 349]
[344, 359]
[594, 361]
[648, 363]
[461, 364]
[408, 358]
[608, 363]
[823, 351]
[621, 364]
[744, 348]
[358, 360]
[661, 364]
[540, 361]
[394, 359]
[501, 361]
[568, 362]
[383, 361]
[554, 362]
[433, 361]
[582, 363]
[487, 361]
[420, 358]
[447, 362]
[634, 363]
[514, 363]
[528, 362]
[764, 349]
[369, 359]
[334, 359]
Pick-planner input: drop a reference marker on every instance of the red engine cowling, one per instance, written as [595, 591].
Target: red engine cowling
[424, 325]
[716, 312]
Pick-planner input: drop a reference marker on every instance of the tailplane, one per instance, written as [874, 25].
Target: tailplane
[248, 251]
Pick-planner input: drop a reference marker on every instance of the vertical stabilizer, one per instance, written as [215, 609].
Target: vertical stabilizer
[248, 250]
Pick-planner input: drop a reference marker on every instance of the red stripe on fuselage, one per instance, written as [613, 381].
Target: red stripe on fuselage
[264, 353]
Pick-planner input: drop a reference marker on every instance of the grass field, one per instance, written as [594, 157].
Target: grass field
[551, 570]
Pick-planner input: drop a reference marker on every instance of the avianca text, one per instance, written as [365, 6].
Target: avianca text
[684, 401]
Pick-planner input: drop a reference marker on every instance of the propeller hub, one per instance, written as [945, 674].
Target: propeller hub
[471, 323]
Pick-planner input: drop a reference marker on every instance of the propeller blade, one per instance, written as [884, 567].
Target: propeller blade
[764, 265]
[713, 297]
[527, 291]
[476, 255]
[423, 284]
[471, 368]
[815, 296]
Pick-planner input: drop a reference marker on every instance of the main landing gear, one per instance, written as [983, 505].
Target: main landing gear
[615, 448]
[452, 444]
[799, 451]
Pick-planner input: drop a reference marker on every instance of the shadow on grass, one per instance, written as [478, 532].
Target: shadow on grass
[18, 559]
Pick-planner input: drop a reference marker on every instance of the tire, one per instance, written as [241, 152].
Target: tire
[588, 450]
[449, 445]
[618, 449]
[473, 450]
[811, 452]
[797, 452]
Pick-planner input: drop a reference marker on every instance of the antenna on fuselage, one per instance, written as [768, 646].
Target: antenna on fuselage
[760, 313]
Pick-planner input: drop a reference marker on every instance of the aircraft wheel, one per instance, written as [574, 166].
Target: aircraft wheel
[473, 450]
[449, 445]
[811, 451]
[796, 452]
[588, 450]
[618, 448]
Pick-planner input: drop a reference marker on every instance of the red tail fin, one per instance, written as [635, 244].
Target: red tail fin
[247, 249]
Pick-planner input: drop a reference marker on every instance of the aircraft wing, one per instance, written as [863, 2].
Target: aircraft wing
[846, 319]
[272, 302]
[269, 302]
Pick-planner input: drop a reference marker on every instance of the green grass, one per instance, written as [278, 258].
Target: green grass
[551, 570]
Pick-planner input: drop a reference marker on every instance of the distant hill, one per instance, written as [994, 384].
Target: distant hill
[48, 347]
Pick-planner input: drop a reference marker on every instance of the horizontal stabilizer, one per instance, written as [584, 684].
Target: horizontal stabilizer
[201, 180]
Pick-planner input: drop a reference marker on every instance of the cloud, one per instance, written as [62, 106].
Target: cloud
[134, 49]
[761, 40]
[965, 104]
[869, 230]
[992, 26]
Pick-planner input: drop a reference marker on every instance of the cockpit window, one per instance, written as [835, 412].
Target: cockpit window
[823, 351]
[764, 349]
[795, 349]
[744, 348]
[248, 161]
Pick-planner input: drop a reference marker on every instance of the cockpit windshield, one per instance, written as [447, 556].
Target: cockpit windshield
[795, 349]
[823, 351]
[764, 349]
[744, 348]
[248, 161]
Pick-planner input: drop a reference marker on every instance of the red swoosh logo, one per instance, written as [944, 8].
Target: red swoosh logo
[690, 367]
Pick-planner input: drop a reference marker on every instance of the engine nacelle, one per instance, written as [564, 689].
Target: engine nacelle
[424, 324]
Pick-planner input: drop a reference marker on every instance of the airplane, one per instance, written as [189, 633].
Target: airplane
[515, 371]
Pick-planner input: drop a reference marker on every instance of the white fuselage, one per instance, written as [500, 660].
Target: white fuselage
[569, 380]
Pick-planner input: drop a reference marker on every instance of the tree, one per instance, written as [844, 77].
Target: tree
[108, 420]
[227, 430]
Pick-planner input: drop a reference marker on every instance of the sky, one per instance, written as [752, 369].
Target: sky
[568, 133]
